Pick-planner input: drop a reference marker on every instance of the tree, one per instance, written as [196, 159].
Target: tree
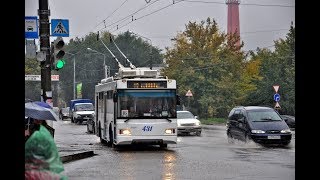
[208, 63]
[32, 88]
[276, 68]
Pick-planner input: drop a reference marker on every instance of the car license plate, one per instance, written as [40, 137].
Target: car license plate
[273, 137]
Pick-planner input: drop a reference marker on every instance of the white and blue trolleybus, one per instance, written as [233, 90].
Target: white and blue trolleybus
[136, 106]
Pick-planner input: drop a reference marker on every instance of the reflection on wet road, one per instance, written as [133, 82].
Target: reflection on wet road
[206, 157]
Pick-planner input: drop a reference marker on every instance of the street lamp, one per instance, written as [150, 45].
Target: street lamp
[150, 46]
[104, 61]
[74, 73]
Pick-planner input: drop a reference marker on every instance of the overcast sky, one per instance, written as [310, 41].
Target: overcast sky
[261, 21]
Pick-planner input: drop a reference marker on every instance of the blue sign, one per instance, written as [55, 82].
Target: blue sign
[276, 97]
[31, 27]
[60, 27]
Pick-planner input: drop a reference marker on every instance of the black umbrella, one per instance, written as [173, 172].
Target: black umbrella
[33, 110]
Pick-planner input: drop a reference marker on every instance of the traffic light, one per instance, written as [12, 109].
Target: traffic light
[58, 62]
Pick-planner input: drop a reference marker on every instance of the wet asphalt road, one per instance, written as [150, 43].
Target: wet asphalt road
[206, 157]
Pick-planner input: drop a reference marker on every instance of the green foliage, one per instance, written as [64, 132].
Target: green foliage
[277, 68]
[32, 88]
[32, 66]
[213, 121]
[213, 67]
[208, 63]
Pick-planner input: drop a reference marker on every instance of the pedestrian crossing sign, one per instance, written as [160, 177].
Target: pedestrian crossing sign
[60, 27]
[189, 93]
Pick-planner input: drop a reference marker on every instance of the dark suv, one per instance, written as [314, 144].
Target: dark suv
[263, 125]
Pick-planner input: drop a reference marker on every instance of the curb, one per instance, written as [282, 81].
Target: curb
[76, 156]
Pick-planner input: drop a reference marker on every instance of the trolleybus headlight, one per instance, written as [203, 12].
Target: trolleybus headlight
[170, 131]
[125, 131]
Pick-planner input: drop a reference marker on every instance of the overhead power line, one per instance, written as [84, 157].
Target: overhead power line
[130, 15]
[111, 14]
[149, 14]
[242, 4]
[248, 32]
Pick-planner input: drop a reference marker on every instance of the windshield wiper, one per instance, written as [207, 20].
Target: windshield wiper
[266, 119]
[127, 120]
[269, 119]
[165, 118]
[169, 119]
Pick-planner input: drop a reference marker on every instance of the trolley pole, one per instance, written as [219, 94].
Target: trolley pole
[44, 33]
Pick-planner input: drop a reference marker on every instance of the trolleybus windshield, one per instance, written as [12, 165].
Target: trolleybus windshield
[146, 104]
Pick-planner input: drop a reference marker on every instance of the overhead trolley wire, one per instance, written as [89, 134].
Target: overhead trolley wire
[130, 15]
[149, 14]
[245, 4]
[111, 14]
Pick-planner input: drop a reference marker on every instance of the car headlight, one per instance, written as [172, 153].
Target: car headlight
[257, 131]
[198, 123]
[285, 131]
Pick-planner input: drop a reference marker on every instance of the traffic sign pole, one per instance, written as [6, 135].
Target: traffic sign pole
[44, 32]
[189, 94]
[276, 97]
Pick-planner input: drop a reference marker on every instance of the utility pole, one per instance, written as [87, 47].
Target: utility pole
[44, 33]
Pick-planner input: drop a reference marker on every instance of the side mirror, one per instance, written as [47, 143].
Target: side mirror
[241, 119]
[115, 97]
[196, 117]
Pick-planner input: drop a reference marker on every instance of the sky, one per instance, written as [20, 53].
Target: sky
[158, 21]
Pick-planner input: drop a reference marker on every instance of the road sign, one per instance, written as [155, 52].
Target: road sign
[189, 93]
[31, 48]
[32, 78]
[276, 88]
[79, 90]
[276, 97]
[38, 78]
[60, 27]
[277, 106]
[54, 77]
[31, 27]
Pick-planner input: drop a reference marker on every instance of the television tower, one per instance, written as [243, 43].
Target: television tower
[233, 18]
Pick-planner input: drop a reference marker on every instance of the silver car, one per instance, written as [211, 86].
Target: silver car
[188, 123]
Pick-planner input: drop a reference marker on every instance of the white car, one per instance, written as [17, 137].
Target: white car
[188, 123]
